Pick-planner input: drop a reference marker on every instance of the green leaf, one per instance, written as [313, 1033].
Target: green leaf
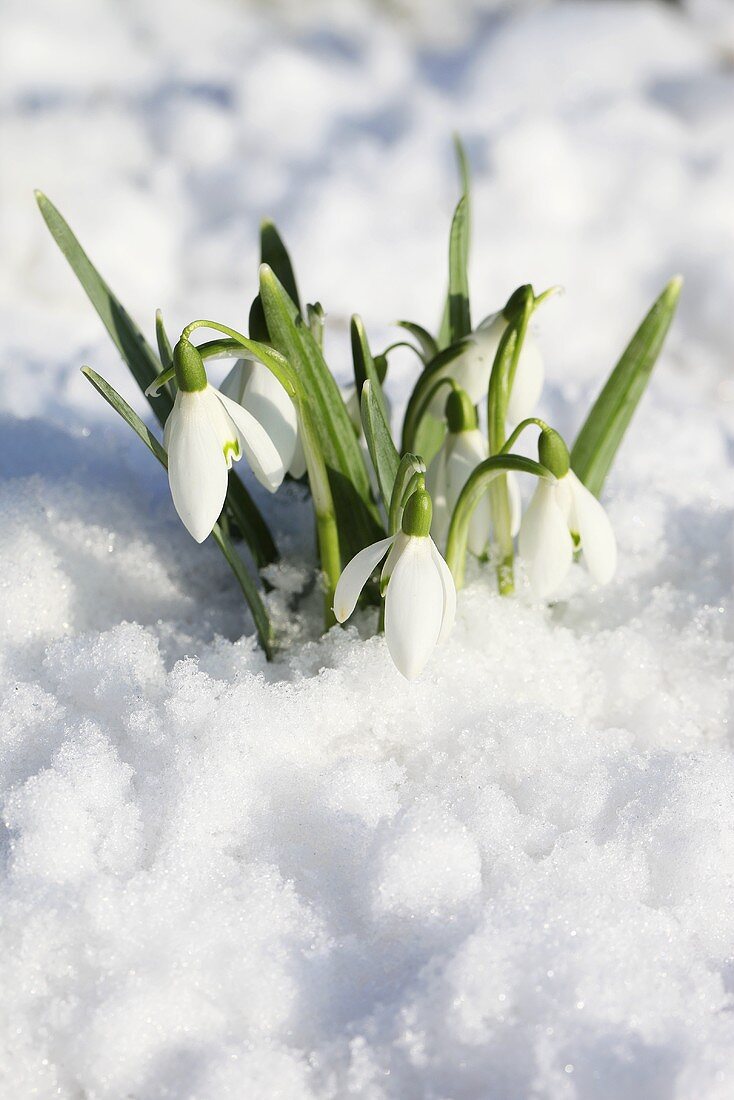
[462, 161]
[127, 337]
[165, 352]
[250, 523]
[458, 301]
[274, 253]
[246, 583]
[456, 319]
[428, 346]
[416, 413]
[603, 430]
[385, 457]
[364, 364]
[357, 517]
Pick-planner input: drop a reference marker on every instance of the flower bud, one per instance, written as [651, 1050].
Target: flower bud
[460, 412]
[418, 514]
[189, 367]
[553, 453]
[516, 301]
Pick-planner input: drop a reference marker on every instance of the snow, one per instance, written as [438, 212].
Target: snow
[311, 879]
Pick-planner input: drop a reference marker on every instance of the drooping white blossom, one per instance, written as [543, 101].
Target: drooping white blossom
[559, 512]
[419, 591]
[472, 367]
[204, 434]
[257, 390]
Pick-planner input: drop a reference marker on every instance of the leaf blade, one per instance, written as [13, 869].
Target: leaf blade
[602, 432]
[144, 365]
[357, 517]
[383, 453]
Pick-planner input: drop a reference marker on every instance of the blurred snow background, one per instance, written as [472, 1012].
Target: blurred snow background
[224, 879]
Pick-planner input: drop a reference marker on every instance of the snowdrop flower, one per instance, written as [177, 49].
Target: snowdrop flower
[204, 434]
[463, 448]
[258, 391]
[562, 515]
[473, 365]
[420, 595]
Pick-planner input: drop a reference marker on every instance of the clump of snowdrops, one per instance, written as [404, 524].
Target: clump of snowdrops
[416, 504]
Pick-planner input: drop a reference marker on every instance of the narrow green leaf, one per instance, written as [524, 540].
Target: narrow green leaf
[364, 364]
[357, 517]
[250, 522]
[421, 397]
[456, 320]
[458, 302]
[462, 161]
[127, 337]
[385, 457]
[246, 583]
[428, 346]
[165, 352]
[603, 430]
[128, 414]
[274, 253]
[263, 626]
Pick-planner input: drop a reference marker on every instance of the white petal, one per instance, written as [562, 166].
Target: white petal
[513, 491]
[437, 486]
[528, 384]
[197, 470]
[171, 419]
[598, 543]
[449, 594]
[234, 384]
[261, 453]
[355, 576]
[266, 399]
[545, 541]
[469, 449]
[414, 608]
[397, 548]
[297, 467]
[223, 426]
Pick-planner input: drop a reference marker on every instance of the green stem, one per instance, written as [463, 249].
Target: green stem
[323, 502]
[509, 443]
[268, 356]
[410, 466]
[413, 419]
[500, 387]
[485, 476]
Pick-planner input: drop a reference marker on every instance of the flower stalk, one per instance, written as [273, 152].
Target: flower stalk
[501, 379]
[484, 477]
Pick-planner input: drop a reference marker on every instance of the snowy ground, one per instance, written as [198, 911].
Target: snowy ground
[227, 880]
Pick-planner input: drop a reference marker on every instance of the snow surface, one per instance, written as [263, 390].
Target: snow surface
[226, 880]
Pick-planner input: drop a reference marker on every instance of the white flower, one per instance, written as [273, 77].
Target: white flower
[559, 511]
[473, 365]
[420, 598]
[459, 455]
[257, 390]
[204, 433]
